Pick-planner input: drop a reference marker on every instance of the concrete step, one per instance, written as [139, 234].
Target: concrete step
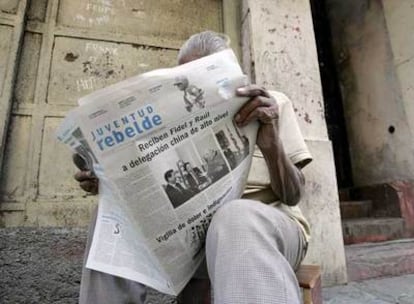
[345, 194]
[374, 260]
[372, 229]
[355, 209]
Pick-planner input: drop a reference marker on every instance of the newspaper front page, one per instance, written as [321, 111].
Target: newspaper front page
[168, 155]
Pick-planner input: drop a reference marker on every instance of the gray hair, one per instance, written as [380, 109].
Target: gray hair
[202, 44]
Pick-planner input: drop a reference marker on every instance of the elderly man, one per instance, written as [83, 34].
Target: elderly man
[253, 244]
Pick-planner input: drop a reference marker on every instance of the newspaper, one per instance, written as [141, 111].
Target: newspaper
[168, 155]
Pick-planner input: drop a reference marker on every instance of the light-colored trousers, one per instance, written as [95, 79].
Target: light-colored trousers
[252, 250]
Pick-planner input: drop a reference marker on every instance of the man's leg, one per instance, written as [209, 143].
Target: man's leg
[251, 251]
[101, 288]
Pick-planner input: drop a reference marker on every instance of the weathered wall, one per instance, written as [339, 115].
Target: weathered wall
[280, 52]
[12, 13]
[400, 25]
[372, 56]
[69, 49]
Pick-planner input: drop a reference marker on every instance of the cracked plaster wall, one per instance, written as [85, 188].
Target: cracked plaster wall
[373, 52]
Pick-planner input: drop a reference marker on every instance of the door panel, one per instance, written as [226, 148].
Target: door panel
[29, 62]
[6, 33]
[15, 166]
[9, 6]
[81, 66]
[69, 49]
[171, 19]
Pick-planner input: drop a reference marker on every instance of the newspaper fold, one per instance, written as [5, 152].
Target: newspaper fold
[167, 155]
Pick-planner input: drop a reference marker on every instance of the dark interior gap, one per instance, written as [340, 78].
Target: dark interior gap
[334, 112]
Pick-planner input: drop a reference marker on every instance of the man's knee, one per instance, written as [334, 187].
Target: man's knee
[247, 218]
[232, 212]
[233, 217]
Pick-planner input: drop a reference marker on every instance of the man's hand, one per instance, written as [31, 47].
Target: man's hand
[261, 107]
[86, 178]
[285, 178]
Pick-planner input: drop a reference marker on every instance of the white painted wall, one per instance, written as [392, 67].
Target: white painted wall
[278, 37]
[400, 27]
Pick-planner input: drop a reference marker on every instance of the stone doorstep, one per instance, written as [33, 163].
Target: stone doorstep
[377, 213]
[345, 194]
[355, 209]
[374, 260]
[385, 197]
[372, 230]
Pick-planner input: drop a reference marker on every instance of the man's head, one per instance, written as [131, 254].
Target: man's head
[202, 44]
[170, 177]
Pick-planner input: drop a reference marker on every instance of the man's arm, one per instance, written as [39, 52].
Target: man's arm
[286, 179]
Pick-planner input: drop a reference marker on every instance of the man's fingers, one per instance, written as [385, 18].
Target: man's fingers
[264, 115]
[81, 176]
[79, 162]
[86, 178]
[250, 107]
[90, 186]
[247, 108]
[252, 91]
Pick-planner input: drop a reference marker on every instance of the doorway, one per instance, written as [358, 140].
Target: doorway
[334, 111]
